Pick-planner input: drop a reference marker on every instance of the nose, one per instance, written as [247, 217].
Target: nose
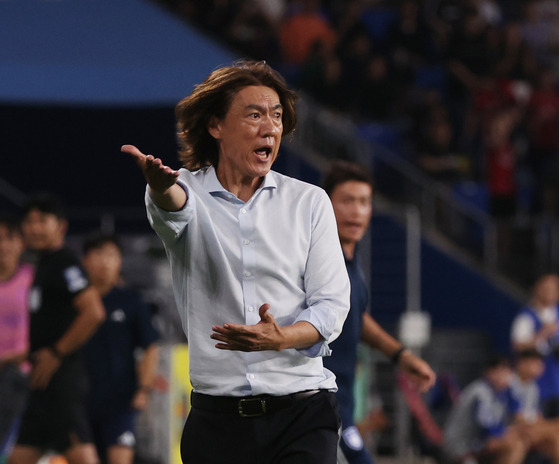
[270, 127]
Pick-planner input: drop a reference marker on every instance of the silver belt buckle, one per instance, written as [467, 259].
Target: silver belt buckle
[251, 407]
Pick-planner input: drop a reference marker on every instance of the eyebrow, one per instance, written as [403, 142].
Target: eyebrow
[262, 108]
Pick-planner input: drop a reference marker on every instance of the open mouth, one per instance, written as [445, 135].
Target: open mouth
[354, 225]
[263, 153]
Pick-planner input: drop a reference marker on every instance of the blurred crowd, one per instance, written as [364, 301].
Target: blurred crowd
[471, 85]
[510, 414]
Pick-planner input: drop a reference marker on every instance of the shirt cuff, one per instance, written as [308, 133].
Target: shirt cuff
[323, 320]
[174, 220]
[317, 350]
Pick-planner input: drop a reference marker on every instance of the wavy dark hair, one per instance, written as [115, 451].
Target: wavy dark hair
[213, 97]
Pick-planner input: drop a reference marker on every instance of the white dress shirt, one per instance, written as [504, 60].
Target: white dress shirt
[229, 257]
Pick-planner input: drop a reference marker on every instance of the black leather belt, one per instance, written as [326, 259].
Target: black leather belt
[247, 406]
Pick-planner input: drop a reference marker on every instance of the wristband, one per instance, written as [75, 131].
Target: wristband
[55, 351]
[396, 356]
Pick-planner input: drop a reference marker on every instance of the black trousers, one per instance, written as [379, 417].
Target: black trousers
[306, 432]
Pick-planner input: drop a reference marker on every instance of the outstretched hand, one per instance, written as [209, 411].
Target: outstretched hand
[265, 335]
[159, 176]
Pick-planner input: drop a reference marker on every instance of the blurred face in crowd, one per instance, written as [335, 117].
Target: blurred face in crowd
[11, 248]
[43, 231]
[249, 135]
[546, 291]
[530, 368]
[353, 206]
[499, 377]
[103, 265]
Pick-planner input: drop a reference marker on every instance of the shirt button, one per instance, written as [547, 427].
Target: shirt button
[251, 308]
[246, 242]
[251, 376]
[243, 211]
[247, 274]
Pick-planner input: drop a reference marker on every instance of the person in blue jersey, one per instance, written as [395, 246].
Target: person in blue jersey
[483, 423]
[120, 380]
[258, 275]
[542, 433]
[350, 188]
[536, 326]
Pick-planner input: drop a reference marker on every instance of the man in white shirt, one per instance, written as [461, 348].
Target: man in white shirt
[258, 275]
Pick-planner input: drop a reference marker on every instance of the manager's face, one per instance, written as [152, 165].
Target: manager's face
[249, 135]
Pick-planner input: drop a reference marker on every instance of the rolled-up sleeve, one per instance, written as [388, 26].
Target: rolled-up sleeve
[326, 281]
[169, 225]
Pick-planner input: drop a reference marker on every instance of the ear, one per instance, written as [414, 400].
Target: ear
[63, 226]
[214, 128]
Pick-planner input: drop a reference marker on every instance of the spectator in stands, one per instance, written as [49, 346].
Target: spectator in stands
[542, 121]
[536, 327]
[446, 17]
[350, 189]
[250, 31]
[438, 154]
[528, 367]
[347, 18]
[302, 29]
[427, 108]
[258, 274]
[121, 379]
[491, 102]
[515, 59]
[65, 311]
[411, 42]
[470, 64]
[541, 433]
[478, 424]
[355, 52]
[15, 284]
[469, 58]
[321, 77]
[539, 30]
[500, 162]
[376, 94]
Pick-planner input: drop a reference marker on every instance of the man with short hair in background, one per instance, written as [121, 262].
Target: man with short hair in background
[65, 310]
[350, 187]
[120, 357]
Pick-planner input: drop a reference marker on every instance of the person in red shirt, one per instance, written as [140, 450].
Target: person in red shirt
[500, 159]
[299, 32]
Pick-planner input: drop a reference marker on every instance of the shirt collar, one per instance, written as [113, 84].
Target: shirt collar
[213, 185]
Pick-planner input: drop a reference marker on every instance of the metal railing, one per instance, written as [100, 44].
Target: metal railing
[323, 135]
